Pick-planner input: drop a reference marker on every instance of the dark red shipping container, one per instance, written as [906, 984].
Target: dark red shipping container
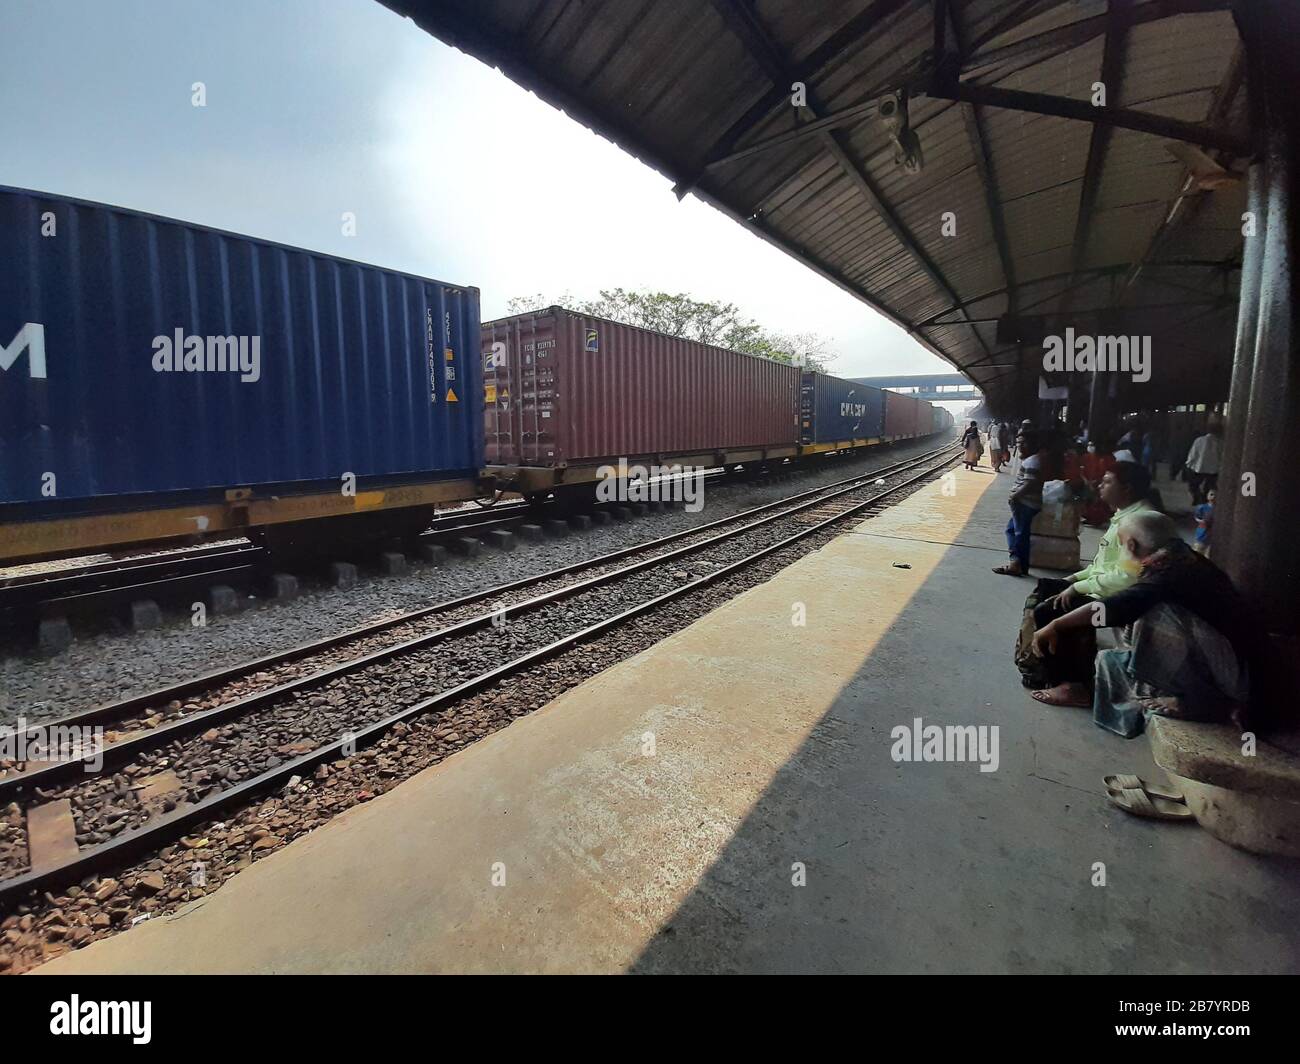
[906, 415]
[563, 388]
[900, 415]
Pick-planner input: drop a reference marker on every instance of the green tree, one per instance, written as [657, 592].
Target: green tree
[677, 314]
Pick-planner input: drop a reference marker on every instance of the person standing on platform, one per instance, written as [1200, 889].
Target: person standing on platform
[997, 453]
[970, 439]
[1026, 500]
[1203, 463]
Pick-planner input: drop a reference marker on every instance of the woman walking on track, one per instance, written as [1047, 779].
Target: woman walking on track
[970, 439]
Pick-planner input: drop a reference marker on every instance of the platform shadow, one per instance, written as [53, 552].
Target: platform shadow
[939, 867]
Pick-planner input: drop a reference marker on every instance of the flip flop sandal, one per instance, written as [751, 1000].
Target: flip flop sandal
[1006, 570]
[1043, 695]
[1129, 783]
[1139, 803]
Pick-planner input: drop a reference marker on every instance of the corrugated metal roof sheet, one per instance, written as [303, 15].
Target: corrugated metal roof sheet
[682, 83]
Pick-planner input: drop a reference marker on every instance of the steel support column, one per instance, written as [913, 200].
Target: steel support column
[1259, 486]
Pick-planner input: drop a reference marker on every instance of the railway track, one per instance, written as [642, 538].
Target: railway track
[186, 753]
[164, 577]
[101, 587]
[35, 589]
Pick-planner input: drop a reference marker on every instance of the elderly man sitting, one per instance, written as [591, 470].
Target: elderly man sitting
[1063, 678]
[1195, 648]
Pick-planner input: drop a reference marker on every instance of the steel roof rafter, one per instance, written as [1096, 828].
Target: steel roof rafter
[1083, 111]
[1212, 302]
[726, 149]
[979, 147]
[1221, 103]
[744, 22]
[1086, 276]
[981, 95]
[865, 22]
[1027, 10]
[1053, 42]
[1111, 77]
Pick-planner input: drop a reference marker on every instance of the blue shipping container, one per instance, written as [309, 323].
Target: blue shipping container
[141, 355]
[833, 410]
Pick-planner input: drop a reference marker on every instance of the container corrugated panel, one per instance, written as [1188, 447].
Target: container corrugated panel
[900, 414]
[358, 370]
[924, 417]
[563, 388]
[833, 410]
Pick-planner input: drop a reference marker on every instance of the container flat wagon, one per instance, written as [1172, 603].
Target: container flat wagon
[566, 393]
[161, 380]
[838, 415]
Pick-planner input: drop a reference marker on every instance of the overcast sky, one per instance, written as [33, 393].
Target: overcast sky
[317, 107]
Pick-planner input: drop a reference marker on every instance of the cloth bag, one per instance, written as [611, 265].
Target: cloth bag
[1033, 671]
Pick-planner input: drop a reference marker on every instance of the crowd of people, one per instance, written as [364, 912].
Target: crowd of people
[1186, 644]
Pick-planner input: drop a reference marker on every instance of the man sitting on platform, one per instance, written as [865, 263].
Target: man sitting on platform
[1196, 648]
[1066, 674]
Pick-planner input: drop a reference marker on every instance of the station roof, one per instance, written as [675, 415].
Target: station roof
[1127, 226]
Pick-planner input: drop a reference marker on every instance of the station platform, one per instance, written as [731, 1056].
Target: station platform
[768, 828]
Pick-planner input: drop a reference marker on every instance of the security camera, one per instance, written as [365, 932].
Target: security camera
[907, 151]
[892, 112]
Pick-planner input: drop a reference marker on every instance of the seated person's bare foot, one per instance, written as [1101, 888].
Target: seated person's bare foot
[1065, 694]
[1010, 569]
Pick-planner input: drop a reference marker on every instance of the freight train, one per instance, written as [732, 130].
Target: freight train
[568, 394]
[162, 382]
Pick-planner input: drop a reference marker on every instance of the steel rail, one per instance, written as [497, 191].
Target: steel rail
[77, 587]
[59, 585]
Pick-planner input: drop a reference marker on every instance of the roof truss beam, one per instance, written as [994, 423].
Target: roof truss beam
[1012, 99]
[743, 21]
[1190, 198]
[1064, 38]
[1227, 266]
[974, 122]
[726, 149]
[1018, 16]
[1084, 111]
[1111, 78]
[847, 36]
[1212, 302]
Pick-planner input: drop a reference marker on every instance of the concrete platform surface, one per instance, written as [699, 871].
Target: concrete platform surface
[728, 800]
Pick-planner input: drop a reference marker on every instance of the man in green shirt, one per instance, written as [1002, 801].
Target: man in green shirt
[1124, 489]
